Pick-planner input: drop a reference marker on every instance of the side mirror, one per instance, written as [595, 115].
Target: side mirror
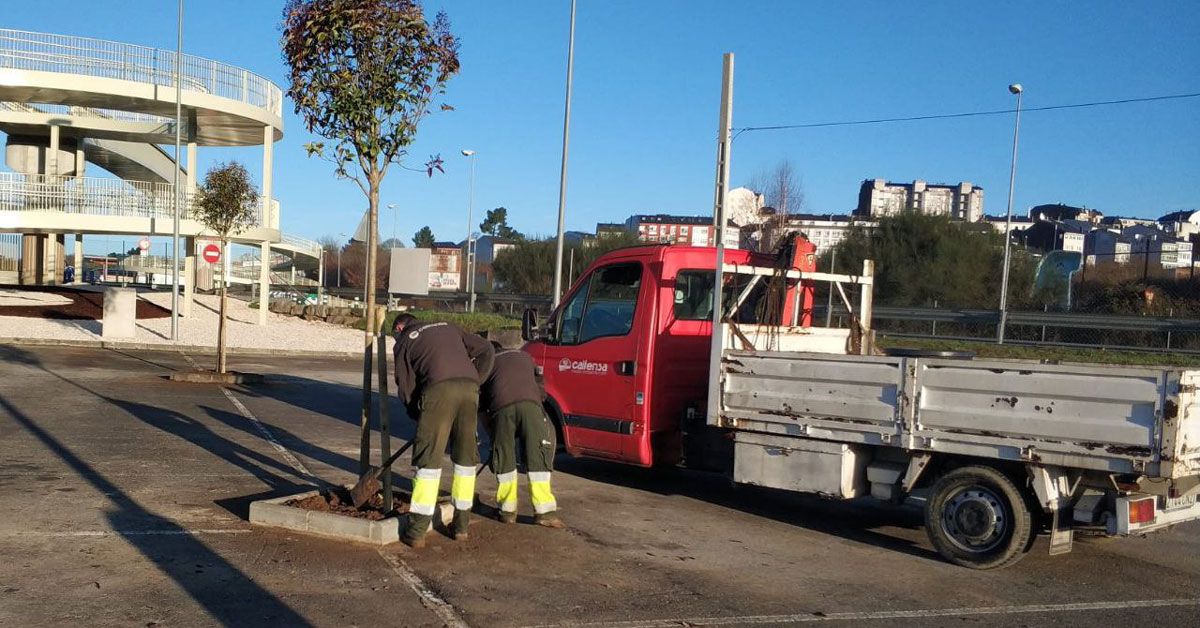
[528, 324]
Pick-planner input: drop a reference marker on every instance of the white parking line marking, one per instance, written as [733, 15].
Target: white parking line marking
[431, 600]
[262, 429]
[877, 615]
[103, 533]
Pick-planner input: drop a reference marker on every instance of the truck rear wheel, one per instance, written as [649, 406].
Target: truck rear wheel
[976, 517]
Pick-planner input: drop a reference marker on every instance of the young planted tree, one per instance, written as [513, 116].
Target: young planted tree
[363, 74]
[226, 204]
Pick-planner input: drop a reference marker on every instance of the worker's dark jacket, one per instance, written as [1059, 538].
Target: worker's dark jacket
[428, 353]
[514, 378]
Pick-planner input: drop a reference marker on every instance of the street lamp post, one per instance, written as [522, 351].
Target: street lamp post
[395, 212]
[1016, 90]
[562, 177]
[470, 253]
[175, 175]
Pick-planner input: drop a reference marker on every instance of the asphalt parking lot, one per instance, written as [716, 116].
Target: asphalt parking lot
[125, 499]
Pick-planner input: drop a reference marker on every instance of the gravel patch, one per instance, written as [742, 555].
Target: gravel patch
[22, 298]
[200, 329]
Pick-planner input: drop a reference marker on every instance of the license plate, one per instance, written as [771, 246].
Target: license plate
[1175, 503]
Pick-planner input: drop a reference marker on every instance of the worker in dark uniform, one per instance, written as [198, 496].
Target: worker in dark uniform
[512, 396]
[438, 370]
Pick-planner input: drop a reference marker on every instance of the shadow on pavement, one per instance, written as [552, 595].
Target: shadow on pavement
[225, 593]
[854, 520]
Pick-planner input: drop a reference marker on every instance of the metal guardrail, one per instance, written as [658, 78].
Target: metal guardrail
[86, 112]
[1113, 322]
[46, 52]
[102, 197]
[310, 247]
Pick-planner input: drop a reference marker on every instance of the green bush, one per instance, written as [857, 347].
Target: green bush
[470, 321]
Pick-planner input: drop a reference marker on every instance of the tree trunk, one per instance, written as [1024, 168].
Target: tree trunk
[364, 453]
[221, 315]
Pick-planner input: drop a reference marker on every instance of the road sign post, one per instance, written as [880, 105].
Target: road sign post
[211, 253]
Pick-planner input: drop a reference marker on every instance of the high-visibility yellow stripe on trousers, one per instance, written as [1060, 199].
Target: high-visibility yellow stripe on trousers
[539, 491]
[425, 491]
[462, 489]
[506, 491]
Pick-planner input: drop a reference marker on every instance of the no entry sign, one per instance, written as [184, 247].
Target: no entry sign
[211, 253]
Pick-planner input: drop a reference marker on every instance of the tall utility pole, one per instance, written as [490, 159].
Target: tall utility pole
[175, 173]
[724, 141]
[1017, 90]
[562, 178]
[470, 252]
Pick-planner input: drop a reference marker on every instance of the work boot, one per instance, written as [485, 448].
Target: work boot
[413, 534]
[458, 529]
[507, 517]
[549, 520]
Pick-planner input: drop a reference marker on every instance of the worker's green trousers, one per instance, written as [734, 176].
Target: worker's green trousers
[449, 413]
[527, 421]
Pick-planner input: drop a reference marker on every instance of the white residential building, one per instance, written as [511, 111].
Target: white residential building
[825, 231]
[878, 197]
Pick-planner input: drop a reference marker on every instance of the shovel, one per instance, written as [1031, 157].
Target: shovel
[368, 484]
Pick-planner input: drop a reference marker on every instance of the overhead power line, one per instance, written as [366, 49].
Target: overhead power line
[967, 114]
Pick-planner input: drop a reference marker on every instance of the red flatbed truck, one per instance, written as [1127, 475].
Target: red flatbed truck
[1004, 449]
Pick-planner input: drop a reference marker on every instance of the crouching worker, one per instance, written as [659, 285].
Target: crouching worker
[512, 396]
[438, 371]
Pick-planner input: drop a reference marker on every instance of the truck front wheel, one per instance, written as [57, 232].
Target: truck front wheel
[976, 517]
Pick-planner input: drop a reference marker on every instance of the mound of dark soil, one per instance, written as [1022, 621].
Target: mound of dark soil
[337, 501]
[85, 305]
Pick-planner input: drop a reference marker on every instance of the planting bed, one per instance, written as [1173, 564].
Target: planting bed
[337, 501]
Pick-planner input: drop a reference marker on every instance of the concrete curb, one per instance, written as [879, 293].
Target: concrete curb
[212, 377]
[193, 349]
[272, 513]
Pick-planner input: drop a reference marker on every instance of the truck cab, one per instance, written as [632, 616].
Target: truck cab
[625, 356]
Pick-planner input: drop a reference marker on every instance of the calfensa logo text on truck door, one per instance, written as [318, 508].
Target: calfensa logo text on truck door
[582, 366]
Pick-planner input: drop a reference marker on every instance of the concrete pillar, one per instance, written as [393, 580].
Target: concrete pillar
[268, 153]
[191, 167]
[79, 159]
[78, 258]
[55, 259]
[52, 154]
[189, 274]
[264, 283]
[33, 251]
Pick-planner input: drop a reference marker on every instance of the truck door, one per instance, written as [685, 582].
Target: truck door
[590, 362]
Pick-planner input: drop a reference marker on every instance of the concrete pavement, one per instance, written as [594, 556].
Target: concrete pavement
[126, 498]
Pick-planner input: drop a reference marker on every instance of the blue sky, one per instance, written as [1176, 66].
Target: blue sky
[647, 82]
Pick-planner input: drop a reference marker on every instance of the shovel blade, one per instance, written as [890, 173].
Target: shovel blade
[366, 487]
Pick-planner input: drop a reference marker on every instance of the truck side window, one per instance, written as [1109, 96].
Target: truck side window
[611, 302]
[693, 295]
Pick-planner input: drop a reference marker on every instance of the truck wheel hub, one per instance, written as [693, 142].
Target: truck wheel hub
[974, 519]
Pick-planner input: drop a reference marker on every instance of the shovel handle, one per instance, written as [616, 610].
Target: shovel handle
[388, 463]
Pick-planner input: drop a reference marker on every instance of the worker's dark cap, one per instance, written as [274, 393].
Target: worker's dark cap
[403, 320]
